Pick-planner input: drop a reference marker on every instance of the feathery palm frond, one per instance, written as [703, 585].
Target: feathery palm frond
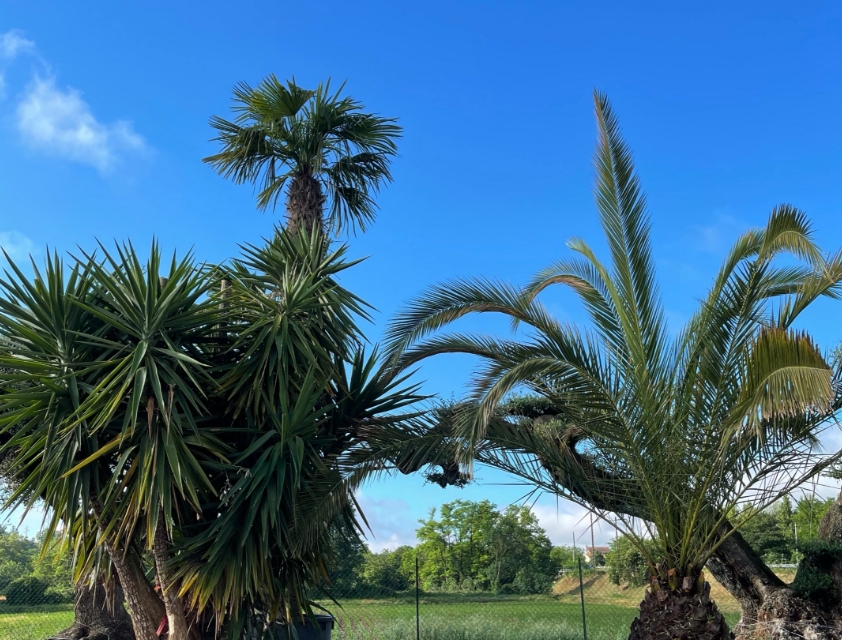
[669, 434]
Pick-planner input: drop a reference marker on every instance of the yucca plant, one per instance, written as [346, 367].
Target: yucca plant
[317, 144]
[194, 422]
[665, 435]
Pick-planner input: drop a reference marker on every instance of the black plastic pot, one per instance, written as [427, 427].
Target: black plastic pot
[322, 630]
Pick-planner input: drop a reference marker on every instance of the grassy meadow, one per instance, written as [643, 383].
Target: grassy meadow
[609, 611]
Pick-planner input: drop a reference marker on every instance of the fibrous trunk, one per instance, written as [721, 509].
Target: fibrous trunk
[678, 614]
[305, 204]
[176, 619]
[771, 609]
[98, 615]
[143, 606]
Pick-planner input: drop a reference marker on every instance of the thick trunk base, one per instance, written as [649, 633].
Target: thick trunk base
[675, 615]
[785, 616]
[98, 617]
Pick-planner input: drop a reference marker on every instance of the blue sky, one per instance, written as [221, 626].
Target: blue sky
[729, 109]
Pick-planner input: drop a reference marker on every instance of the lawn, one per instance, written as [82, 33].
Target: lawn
[477, 619]
[33, 623]
[444, 616]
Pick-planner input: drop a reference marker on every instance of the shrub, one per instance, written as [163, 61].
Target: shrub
[814, 580]
[28, 591]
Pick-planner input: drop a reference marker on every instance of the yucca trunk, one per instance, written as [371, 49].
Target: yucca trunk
[145, 607]
[178, 628]
[98, 615]
[305, 204]
[142, 615]
[682, 613]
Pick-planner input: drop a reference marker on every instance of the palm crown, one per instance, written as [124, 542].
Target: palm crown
[668, 434]
[319, 145]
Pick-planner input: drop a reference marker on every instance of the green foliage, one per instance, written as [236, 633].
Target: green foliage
[28, 590]
[814, 579]
[767, 537]
[772, 532]
[385, 571]
[283, 131]
[626, 564]
[636, 422]
[224, 402]
[566, 558]
[17, 556]
[472, 546]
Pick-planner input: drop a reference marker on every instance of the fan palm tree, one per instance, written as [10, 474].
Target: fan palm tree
[669, 434]
[202, 429]
[328, 153]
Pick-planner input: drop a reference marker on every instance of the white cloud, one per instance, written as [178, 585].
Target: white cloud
[13, 43]
[16, 245]
[563, 522]
[60, 123]
[391, 522]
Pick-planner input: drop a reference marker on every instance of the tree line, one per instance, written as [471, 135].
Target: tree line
[474, 546]
[27, 578]
[462, 546]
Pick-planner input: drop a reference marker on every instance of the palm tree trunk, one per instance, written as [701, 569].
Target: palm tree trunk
[770, 609]
[98, 615]
[679, 614]
[176, 618]
[305, 204]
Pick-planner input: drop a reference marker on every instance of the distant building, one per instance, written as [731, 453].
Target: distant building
[590, 551]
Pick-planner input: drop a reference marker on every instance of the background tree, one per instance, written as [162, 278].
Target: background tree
[17, 555]
[473, 546]
[328, 153]
[670, 434]
[625, 563]
[566, 558]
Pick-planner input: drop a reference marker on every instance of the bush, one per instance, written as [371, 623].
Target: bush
[813, 580]
[29, 591]
[626, 564]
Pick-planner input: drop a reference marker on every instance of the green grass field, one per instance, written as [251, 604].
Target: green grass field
[441, 619]
[33, 623]
[444, 616]
[457, 617]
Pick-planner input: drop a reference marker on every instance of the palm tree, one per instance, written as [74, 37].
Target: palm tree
[197, 419]
[669, 434]
[329, 155]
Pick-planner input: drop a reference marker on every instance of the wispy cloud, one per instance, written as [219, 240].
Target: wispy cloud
[57, 121]
[12, 43]
[60, 123]
[567, 520]
[16, 245]
[391, 522]
[719, 235]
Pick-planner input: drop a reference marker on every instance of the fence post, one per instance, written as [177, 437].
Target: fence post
[417, 607]
[582, 596]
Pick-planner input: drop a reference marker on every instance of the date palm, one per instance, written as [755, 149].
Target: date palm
[669, 434]
[330, 155]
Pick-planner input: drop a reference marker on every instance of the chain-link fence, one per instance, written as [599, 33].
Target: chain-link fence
[583, 602]
[31, 608]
